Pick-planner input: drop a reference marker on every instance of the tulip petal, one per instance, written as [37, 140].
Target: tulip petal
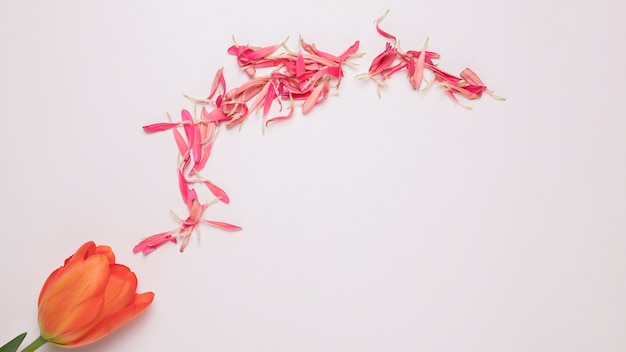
[120, 289]
[139, 303]
[75, 299]
[107, 252]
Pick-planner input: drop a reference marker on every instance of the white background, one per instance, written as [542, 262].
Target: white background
[396, 224]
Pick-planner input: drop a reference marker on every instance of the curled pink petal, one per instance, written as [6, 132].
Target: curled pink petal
[472, 78]
[153, 242]
[217, 81]
[278, 118]
[380, 31]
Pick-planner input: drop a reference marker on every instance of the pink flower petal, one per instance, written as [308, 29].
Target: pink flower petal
[218, 192]
[183, 148]
[418, 68]
[278, 118]
[313, 99]
[153, 242]
[269, 98]
[349, 52]
[222, 225]
[206, 153]
[196, 147]
[183, 186]
[383, 61]
[383, 33]
[189, 128]
[217, 81]
[300, 65]
[472, 78]
[217, 115]
[160, 126]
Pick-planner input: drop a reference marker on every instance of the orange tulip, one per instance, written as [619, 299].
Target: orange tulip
[88, 297]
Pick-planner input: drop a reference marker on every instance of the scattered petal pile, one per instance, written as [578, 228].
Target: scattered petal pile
[194, 148]
[393, 60]
[306, 76]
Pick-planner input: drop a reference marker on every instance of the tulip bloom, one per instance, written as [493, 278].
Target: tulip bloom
[88, 297]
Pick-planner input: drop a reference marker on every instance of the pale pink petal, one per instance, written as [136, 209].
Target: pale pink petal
[312, 100]
[189, 127]
[183, 148]
[206, 153]
[269, 98]
[222, 225]
[219, 79]
[217, 115]
[418, 69]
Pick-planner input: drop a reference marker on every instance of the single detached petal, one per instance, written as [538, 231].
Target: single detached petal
[160, 126]
[188, 126]
[380, 31]
[222, 225]
[218, 192]
[217, 81]
[182, 146]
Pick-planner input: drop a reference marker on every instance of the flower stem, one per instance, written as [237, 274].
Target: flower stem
[35, 344]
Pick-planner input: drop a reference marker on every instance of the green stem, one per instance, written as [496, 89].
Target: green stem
[35, 344]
